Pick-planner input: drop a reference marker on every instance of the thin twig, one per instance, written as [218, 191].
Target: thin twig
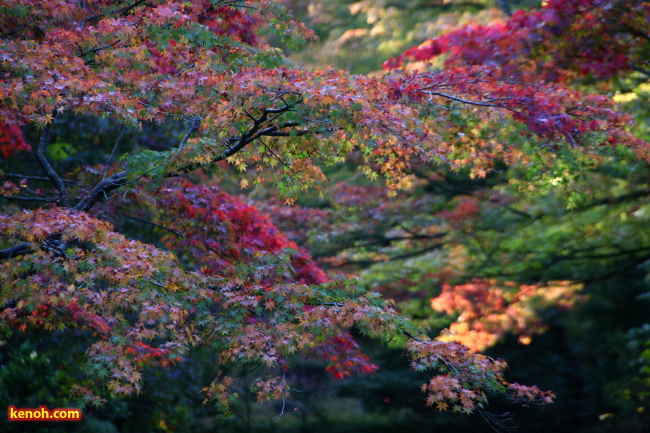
[185, 69]
[284, 401]
[408, 334]
[465, 101]
[193, 126]
[22, 176]
[112, 152]
[151, 223]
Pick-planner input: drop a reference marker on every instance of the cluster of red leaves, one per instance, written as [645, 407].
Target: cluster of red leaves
[12, 140]
[552, 112]
[145, 353]
[561, 40]
[344, 357]
[220, 230]
[226, 20]
[464, 213]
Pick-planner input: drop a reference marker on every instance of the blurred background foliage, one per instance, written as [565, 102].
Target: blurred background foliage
[361, 35]
[581, 219]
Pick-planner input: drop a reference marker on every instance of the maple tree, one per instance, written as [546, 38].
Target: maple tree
[220, 275]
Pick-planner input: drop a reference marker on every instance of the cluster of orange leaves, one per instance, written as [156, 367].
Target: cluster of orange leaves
[487, 309]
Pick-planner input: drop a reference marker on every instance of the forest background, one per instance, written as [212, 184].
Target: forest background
[540, 260]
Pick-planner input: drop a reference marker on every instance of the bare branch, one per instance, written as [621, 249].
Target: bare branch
[22, 176]
[330, 304]
[151, 223]
[127, 9]
[20, 198]
[408, 334]
[369, 262]
[47, 168]
[465, 101]
[112, 152]
[101, 190]
[184, 69]
[639, 69]
[294, 133]
[192, 126]
[234, 145]
[616, 200]
[18, 250]
[83, 53]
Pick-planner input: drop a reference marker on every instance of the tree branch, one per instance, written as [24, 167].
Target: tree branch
[191, 127]
[377, 240]
[108, 161]
[101, 190]
[22, 176]
[20, 198]
[390, 259]
[408, 334]
[639, 69]
[47, 168]
[616, 200]
[601, 256]
[151, 223]
[18, 250]
[234, 145]
[466, 101]
[127, 9]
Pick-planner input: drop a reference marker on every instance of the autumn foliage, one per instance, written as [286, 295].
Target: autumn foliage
[488, 310]
[559, 42]
[217, 273]
[12, 140]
